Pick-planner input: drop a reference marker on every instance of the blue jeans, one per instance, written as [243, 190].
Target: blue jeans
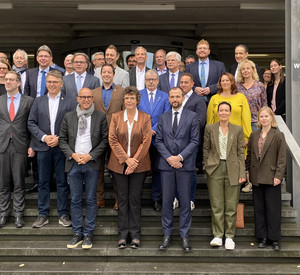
[77, 175]
[254, 126]
[45, 161]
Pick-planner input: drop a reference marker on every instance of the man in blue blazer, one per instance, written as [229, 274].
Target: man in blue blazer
[154, 102]
[206, 72]
[44, 123]
[172, 77]
[177, 138]
[80, 78]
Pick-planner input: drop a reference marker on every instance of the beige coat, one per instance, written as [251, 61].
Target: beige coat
[272, 162]
[235, 159]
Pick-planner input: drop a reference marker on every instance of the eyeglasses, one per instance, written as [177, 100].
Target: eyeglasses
[44, 56]
[83, 97]
[79, 62]
[52, 82]
[3, 68]
[130, 98]
[151, 79]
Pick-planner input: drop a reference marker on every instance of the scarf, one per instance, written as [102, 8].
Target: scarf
[19, 70]
[82, 115]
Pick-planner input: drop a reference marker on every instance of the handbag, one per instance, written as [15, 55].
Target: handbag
[240, 215]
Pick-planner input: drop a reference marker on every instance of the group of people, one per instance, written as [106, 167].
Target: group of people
[169, 121]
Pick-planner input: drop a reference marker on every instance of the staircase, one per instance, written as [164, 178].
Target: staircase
[43, 251]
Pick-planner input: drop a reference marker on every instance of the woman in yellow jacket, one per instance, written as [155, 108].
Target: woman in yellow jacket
[240, 110]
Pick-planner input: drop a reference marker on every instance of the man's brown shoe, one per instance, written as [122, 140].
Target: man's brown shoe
[101, 204]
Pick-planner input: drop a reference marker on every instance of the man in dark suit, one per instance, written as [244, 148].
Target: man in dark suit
[44, 123]
[68, 64]
[195, 103]
[35, 85]
[80, 78]
[98, 60]
[137, 74]
[14, 148]
[177, 138]
[83, 140]
[154, 102]
[172, 77]
[108, 99]
[206, 72]
[241, 53]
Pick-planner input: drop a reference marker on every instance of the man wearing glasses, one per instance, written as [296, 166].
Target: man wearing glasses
[14, 149]
[83, 140]
[44, 123]
[80, 79]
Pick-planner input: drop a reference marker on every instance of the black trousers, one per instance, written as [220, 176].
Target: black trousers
[129, 192]
[267, 211]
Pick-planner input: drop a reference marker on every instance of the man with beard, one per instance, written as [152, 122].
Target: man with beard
[177, 138]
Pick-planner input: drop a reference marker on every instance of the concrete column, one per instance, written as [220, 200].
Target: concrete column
[292, 36]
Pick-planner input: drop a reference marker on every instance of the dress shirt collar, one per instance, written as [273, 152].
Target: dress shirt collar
[57, 96]
[187, 96]
[205, 61]
[17, 95]
[154, 92]
[110, 88]
[140, 71]
[135, 116]
[83, 75]
[179, 111]
[46, 70]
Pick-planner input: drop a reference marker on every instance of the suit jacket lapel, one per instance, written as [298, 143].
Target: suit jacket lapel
[156, 100]
[197, 70]
[146, 101]
[255, 141]
[229, 139]
[21, 106]
[181, 121]
[268, 141]
[60, 106]
[210, 72]
[86, 80]
[73, 83]
[111, 99]
[216, 137]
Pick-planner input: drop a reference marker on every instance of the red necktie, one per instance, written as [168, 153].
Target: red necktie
[12, 108]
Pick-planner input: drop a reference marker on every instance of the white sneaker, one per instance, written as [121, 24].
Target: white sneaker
[229, 244]
[175, 203]
[192, 206]
[216, 242]
[247, 188]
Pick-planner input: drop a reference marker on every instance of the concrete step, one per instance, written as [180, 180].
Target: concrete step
[107, 251]
[146, 268]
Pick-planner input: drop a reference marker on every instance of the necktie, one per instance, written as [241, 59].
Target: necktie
[11, 109]
[151, 101]
[78, 83]
[172, 82]
[202, 75]
[175, 123]
[43, 83]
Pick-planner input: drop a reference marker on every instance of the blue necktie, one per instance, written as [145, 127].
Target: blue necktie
[78, 83]
[43, 83]
[151, 102]
[202, 75]
[172, 82]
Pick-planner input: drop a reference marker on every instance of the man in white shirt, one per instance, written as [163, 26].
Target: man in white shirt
[160, 60]
[83, 140]
[121, 77]
[137, 75]
[44, 123]
[98, 59]
[68, 64]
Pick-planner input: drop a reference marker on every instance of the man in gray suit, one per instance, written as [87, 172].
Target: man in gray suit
[171, 78]
[121, 77]
[74, 82]
[137, 74]
[83, 140]
[14, 148]
[44, 123]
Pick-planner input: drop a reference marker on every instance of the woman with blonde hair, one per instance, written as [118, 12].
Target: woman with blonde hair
[265, 165]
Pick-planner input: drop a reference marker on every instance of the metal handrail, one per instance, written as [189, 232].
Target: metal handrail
[291, 143]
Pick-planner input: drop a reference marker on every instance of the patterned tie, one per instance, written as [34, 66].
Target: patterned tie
[175, 123]
[202, 75]
[151, 101]
[11, 109]
[172, 82]
[78, 83]
[43, 83]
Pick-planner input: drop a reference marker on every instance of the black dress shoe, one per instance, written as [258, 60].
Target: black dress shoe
[34, 188]
[263, 243]
[186, 245]
[135, 245]
[165, 243]
[276, 246]
[3, 221]
[19, 222]
[157, 205]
